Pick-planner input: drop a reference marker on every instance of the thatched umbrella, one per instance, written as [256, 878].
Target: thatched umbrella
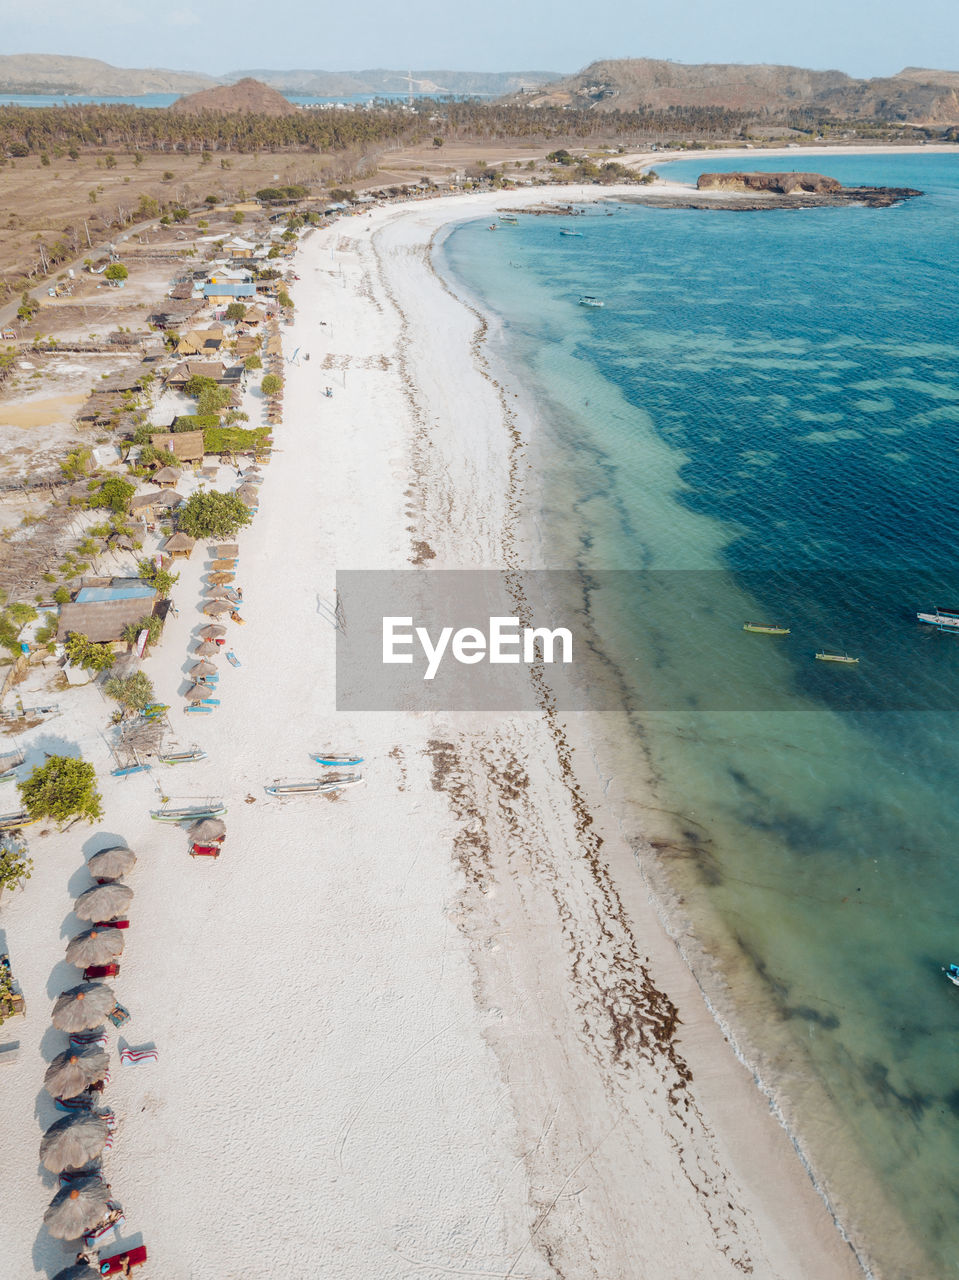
[96, 946]
[208, 829]
[218, 593]
[73, 1141]
[197, 692]
[83, 1007]
[228, 550]
[213, 632]
[248, 496]
[109, 864]
[220, 578]
[166, 475]
[104, 901]
[202, 669]
[206, 647]
[71, 1072]
[227, 564]
[215, 607]
[77, 1208]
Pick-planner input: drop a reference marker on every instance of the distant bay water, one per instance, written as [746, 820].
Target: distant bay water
[766, 411]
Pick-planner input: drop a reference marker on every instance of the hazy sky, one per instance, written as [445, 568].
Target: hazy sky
[863, 37]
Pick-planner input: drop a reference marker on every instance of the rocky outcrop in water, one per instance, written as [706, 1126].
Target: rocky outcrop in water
[782, 184]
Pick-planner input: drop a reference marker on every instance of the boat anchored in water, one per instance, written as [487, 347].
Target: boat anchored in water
[952, 973]
[588, 300]
[823, 656]
[567, 231]
[766, 628]
[942, 619]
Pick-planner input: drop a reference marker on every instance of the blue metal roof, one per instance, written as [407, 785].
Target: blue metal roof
[229, 290]
[99, 595]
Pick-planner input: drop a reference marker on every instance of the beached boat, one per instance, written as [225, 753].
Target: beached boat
[952, 973]
[11, 764]
[587, 300]
[189, 756]
[766, 628]
[189, 812]
[125, 770]
[333, 761]
[566, 231]
[944, 619]
[9, 821]
[313, 786]
[823, 656]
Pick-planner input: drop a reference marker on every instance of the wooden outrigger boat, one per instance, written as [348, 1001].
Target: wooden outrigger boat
[589, 300]
[189, 813]
[125, 770]
[313, 786]
[766, 628]
[568, 231]
[509, 219]
[332, 761]
[942, 619]
[189, 756]
[823, 656]
[11, 764]
[10, 821]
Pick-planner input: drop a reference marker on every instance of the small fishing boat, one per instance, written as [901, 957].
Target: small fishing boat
[567, 231]
[766, 628]
[125, 770]
[823, 656]
[197, 709]
[8, 821]
[10, 765]
[190, 756]
[189, 812]
[155, 710]
[333, 761]
[943, 619]
[509, 219]
[952, 973]
[313, 786]
[587, 300]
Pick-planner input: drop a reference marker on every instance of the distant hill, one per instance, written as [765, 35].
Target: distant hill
[332, 84]
[246, 95]
[51, 73]
[915, 96]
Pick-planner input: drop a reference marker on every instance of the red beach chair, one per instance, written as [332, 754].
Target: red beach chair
[95, 971]
[111, 924]
[205, 851]
[114, 1266]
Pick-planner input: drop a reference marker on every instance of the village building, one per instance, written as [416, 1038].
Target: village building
[103, 612]
[218, 292]
[186, 446]
[201, 342]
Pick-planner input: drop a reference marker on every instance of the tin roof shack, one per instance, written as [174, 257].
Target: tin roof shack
[226, 292]
[101, 613]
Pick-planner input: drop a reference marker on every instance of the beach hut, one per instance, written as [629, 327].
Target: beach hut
[166, 477]
[104, 901]
[75, 1070]
[180, 546]
[95, 946]
[207, 647]
[73, 1141]
[202, 669]
[77, 1207]
[186, 446]
[110, 864]
[83, 1007]
[213, 632]
[217, 607]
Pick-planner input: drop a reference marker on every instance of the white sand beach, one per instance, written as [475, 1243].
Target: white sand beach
[427, 1029]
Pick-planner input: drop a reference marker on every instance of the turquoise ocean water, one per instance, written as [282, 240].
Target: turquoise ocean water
[766, 412]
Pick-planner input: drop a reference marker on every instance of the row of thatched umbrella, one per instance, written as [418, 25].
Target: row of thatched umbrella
[110, 864]
[207, 648]
[82, 1007]
[95, 946]
[214, 608]
[213, 632]
[219, 592]
[73, 1141]
[77, 1207]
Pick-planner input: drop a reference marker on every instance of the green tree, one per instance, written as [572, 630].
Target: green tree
[235, 311]
[116, 271]
[86, 653]
[115, 493]
[212, 515]
[110, 160]
[13, 618]
[252, 362]
[15, 867]
[284, 299]
[133, 692]
[238, 217]
[151, 624]
[271, 385]
[437, 141]
[160, 579]
[63, 788]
